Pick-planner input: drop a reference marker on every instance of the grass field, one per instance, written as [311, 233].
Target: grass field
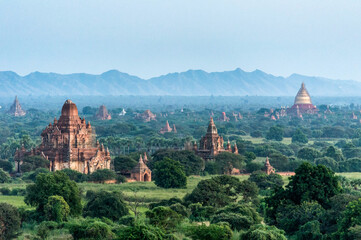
[147, 190]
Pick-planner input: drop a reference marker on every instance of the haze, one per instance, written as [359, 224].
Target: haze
[148, 38]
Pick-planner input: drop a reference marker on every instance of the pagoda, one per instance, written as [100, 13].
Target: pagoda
[141, 172]
[167, 129]
[103, 114]
[302, 104]
[146, 116]
[15, 109]
[212, 144]
[68, 143]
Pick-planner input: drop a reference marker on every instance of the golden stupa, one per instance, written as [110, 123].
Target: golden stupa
[303, 97]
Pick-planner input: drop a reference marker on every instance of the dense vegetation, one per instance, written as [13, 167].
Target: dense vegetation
[190, 198]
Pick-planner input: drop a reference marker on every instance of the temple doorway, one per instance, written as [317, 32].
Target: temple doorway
[146, 178]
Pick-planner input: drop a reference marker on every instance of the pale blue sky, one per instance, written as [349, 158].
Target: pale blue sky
[149, 37]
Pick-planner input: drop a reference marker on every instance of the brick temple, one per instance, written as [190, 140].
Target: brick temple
[103, 114]
[212, 144]
[15, 109]
[69, 143]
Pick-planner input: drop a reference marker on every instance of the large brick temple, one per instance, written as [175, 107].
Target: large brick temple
[302, 104]
[69, 143]
[212, 144]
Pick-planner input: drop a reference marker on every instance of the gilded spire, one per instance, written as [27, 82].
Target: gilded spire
[303, 97]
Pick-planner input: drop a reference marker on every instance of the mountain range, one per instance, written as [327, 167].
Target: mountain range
[189, 83]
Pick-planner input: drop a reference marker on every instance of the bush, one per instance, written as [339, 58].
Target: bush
[141, 232]
[127, 220]
[121, 179]
[200, 213]
[264, 232]
[6, 165]
[275, 133]
[236, 221]
[265, 181]
[90, 229]
[34, 162]
[5, 191]
[57, 209]
[168, 173]
[211, 232]
[44, 228]
[164, 217]
[75, 175]
[253, 166]
[102, 175]
[106, 204]
[4, 176]
[9, 221]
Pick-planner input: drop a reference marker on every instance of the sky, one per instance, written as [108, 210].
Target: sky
[149, 38]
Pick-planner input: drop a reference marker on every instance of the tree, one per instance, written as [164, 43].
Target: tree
[141, 232]
[106, 204]
[164, 218]
[124, 164]
[216, 192]
[211, 232]
[32, 175]
[50, 184]
[102, 175]
[279, 161]
[265, 181]
[6, 165]
[334, 153]
[275, 133]
[350, 165]
[4, 177]
[264, 232]
[168, 173]
[34, 162]
[90, 229]
[351, 217]
[328, 162]
[253, 167]
[309, 154]
[226, 161]
[57, 209]
[192, 164]
[310, 231]
[9, 221]
[75, 175]
[299, 137]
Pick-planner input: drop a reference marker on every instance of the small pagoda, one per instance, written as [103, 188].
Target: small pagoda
[141, 172]
[103, 114]
[167, 129]
[268, 167]
[15, 109]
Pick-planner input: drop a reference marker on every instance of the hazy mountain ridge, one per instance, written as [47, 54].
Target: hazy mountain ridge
[189, 83]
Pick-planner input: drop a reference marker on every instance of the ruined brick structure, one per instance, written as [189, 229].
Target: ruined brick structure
[268, 168]
[103, 114]
[212, 144]
[69, 143]
[302, 104]
[15, 109]
[146, 116]
[141, 173]
[168, 129]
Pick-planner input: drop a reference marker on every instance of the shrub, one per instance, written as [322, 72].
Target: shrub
[75, 175]
[57, 209]
[168, 173]
[211, 232]
[90, 229]
[141, 232]
[5, 191]
[102, 175]
[264, 232]
[164, 217]
[106, 204]
[6, 165]
[236, 221]
[200, 213]
[4, 176]
[9, 221]
[253, 166]
[44, 228]
[32, 175]
[127, 220]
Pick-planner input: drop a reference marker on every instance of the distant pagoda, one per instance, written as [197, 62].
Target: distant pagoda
[212, 144]
[168, 129]
[103, 114]
[15, 109]
[302, 104]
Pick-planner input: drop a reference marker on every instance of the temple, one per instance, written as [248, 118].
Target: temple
[68, 143]
[103, 114]
[167, 129]
[302, 104]
[268, 167]
[15, 109]
[141, 173]
[212, 144]
[146, 116]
